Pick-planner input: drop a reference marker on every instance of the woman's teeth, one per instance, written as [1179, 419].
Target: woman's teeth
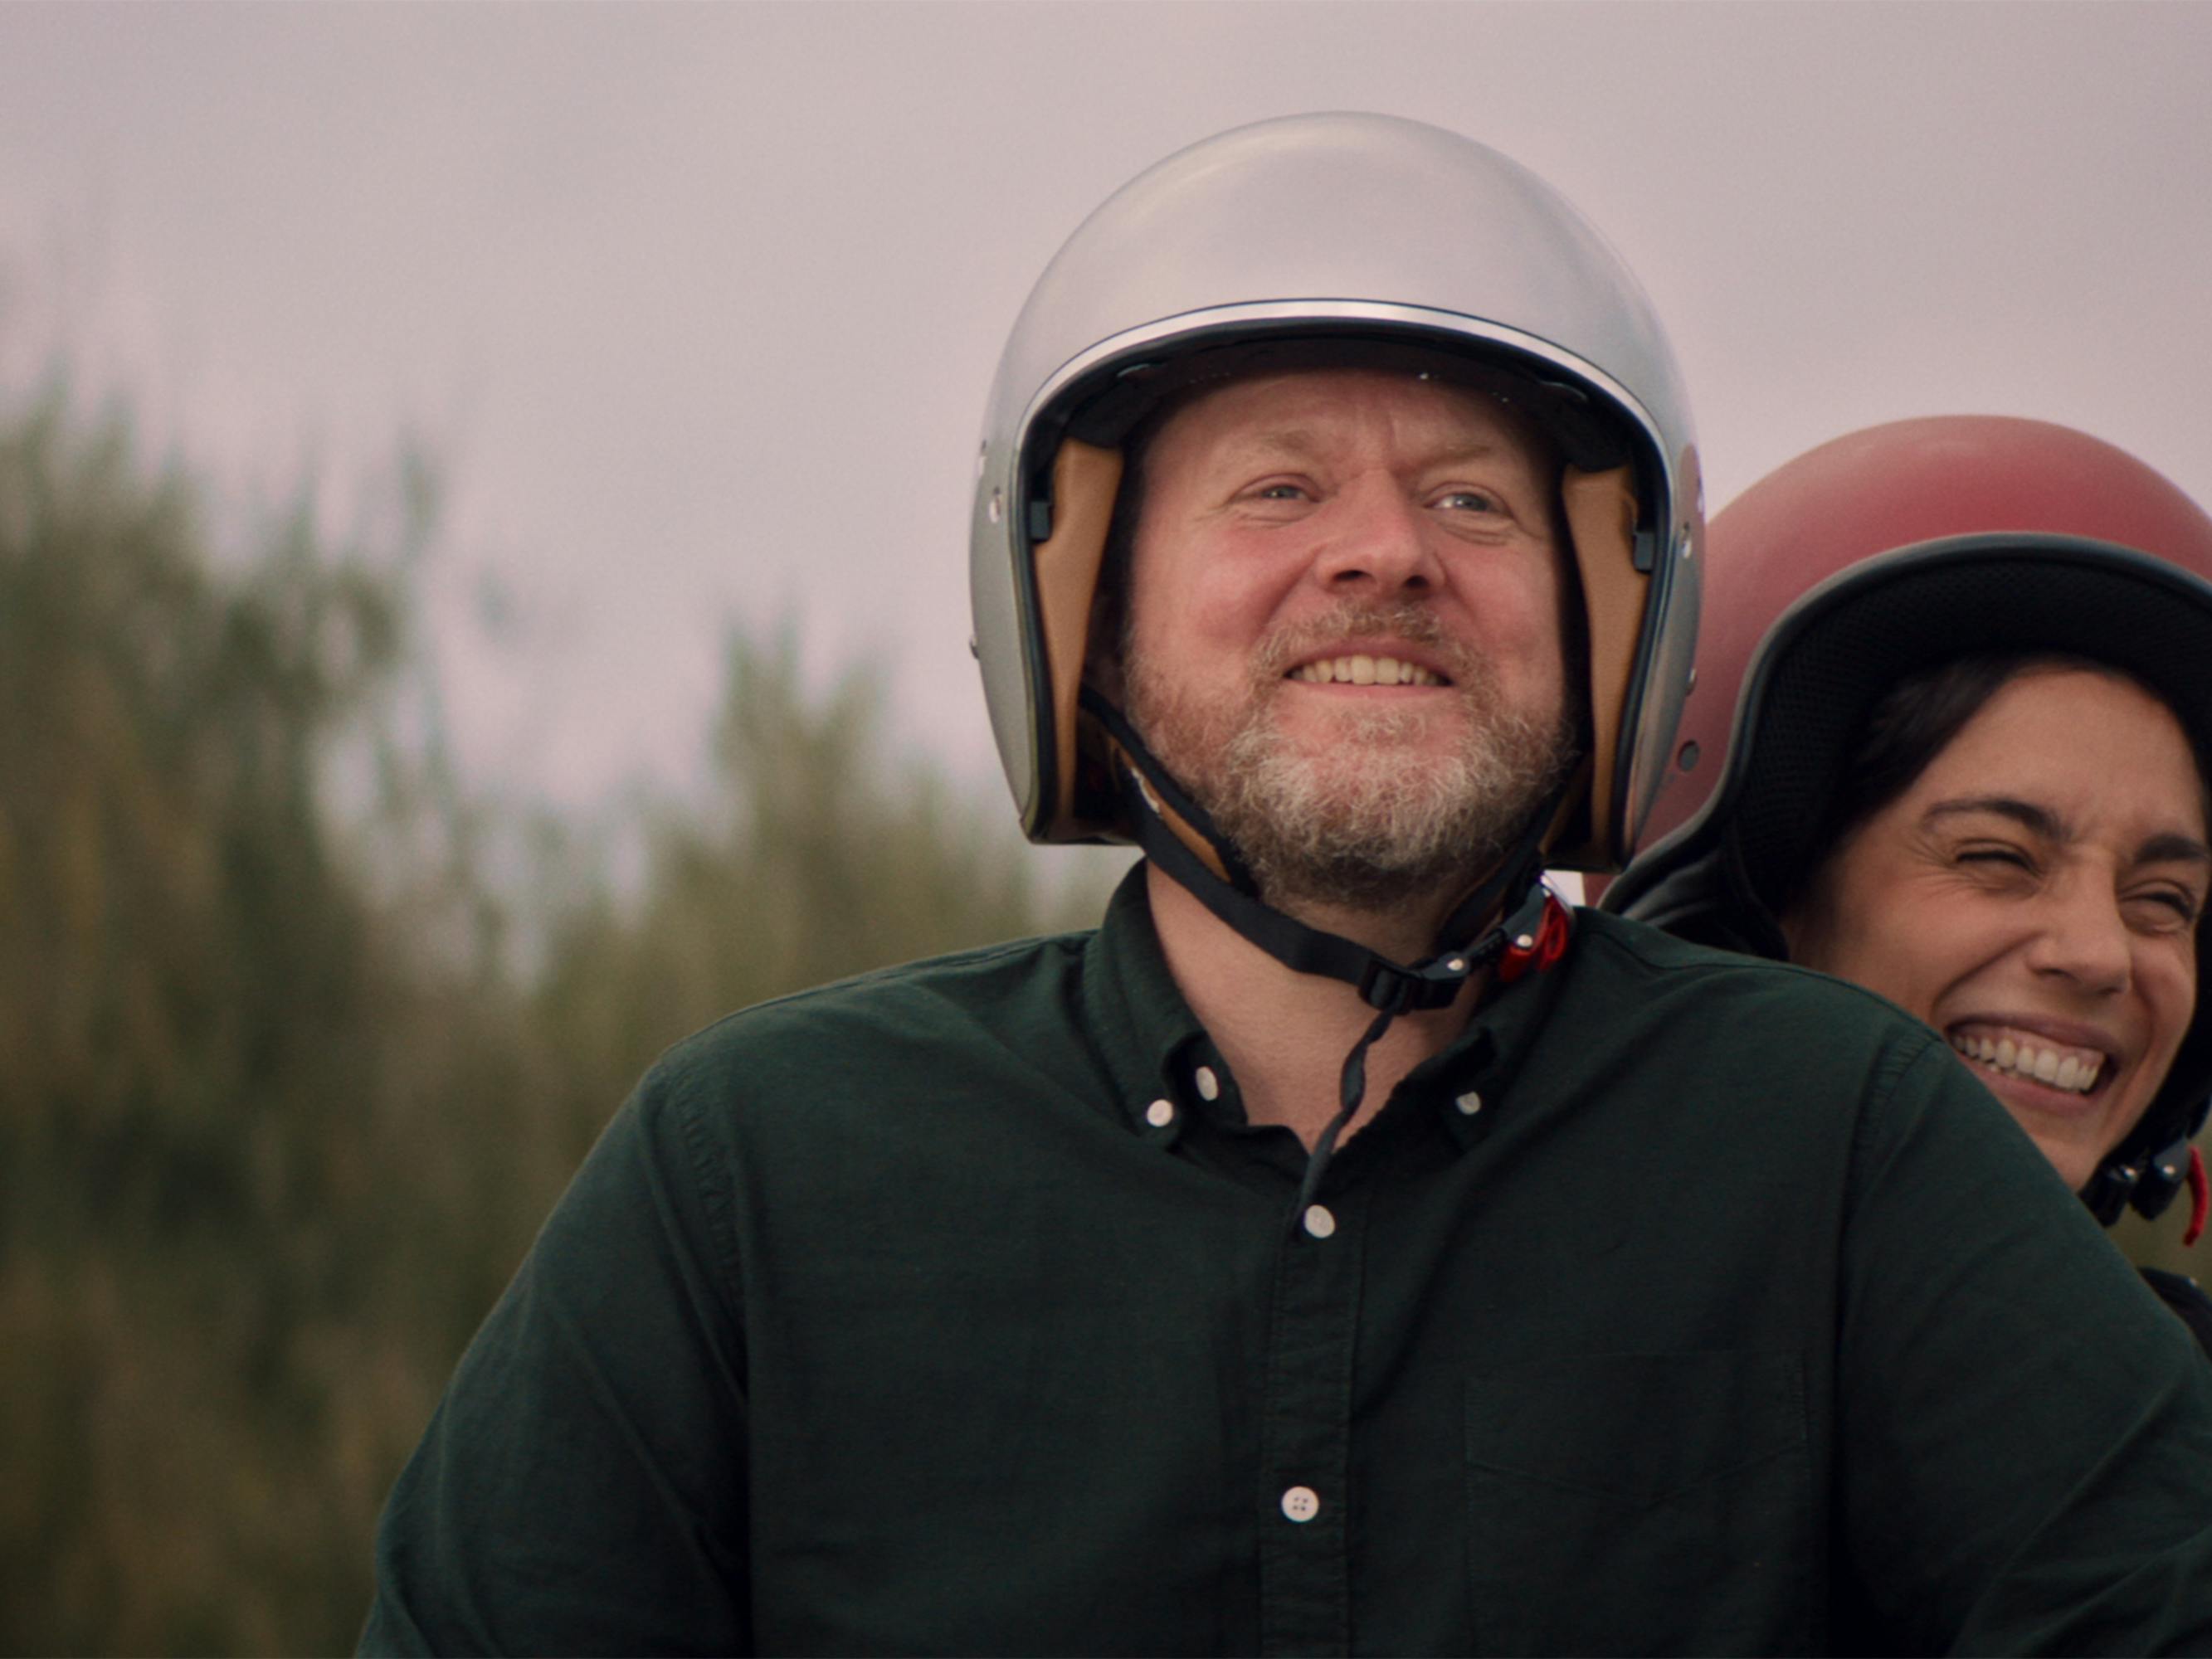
[1366, 671]
[2074, 1072]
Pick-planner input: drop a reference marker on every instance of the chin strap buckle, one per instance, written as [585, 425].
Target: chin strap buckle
[1529, 940]
[1533, 948]
[1394, 990]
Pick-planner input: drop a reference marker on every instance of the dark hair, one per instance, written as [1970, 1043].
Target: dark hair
[1913, 723]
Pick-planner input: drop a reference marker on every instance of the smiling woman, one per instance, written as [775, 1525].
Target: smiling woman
[2032, 891]
[1968, 771]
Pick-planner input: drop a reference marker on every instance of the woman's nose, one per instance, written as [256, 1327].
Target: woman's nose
[2084, 937]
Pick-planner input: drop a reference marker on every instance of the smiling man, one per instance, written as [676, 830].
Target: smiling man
[1368, 571]
[1345, 637]
[1344, 1248]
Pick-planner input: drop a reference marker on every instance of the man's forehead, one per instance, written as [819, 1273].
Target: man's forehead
[1305, 411]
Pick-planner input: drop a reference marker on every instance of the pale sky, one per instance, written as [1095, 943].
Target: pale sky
[699, 305]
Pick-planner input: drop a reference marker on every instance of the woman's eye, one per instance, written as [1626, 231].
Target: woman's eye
[2178, 903]
[1280, 492]
[1996, 856]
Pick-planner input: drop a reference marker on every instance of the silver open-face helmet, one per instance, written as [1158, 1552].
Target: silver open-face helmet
[1334, 238]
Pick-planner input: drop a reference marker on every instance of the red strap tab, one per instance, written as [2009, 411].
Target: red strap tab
[1545, 946]
[2200, 1198]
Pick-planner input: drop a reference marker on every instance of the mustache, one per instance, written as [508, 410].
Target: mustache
[1408, 621]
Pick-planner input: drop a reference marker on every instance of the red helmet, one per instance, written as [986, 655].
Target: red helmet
[1875, 556]
[1891, 487]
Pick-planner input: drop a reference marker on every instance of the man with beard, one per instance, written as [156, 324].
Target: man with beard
[1345, 638]
[1342, 1248]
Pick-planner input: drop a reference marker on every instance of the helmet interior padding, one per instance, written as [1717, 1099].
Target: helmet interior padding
[1601, 515]
[1085, 481]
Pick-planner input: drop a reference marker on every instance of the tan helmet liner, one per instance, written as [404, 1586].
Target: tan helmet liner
[1085, 481]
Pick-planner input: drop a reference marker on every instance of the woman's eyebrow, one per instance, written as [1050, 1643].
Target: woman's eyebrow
[2036, 820]
[2173, 849]
[2170, 847]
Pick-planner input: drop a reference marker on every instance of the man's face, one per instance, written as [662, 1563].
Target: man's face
[1345, 628]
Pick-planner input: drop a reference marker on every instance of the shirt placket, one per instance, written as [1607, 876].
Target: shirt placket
[1304, 1497]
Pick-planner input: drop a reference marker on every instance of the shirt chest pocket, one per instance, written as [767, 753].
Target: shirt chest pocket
[1642, 1503]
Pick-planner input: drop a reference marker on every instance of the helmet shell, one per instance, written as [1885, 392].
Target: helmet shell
[1890, 486]
[1884, 553]
[1352, 228]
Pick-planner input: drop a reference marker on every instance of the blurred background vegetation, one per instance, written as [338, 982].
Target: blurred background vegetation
[300, 1038]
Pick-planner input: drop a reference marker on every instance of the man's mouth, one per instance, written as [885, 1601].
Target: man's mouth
[2010, 1052]
[1361, 669]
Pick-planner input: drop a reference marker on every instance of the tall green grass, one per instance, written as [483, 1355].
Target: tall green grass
[282, 1099]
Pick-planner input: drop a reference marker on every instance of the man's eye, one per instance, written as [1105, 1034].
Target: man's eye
[1996, 856]
[1468, 500]
[1280, 492]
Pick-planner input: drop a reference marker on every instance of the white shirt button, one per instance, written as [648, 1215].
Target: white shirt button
[1321, 1224]
[1209, 1086]
[1160, 1114]
[1301, 1503]
[1469, 1103]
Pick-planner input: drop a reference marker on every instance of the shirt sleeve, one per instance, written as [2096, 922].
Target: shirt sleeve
[2025, 1460]
[2184, 1301]
[581, 1487]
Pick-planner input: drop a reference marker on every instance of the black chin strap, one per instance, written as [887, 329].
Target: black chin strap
[1390, 987]
[1449, 969]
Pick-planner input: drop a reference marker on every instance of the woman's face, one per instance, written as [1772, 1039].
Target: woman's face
[2035, 896]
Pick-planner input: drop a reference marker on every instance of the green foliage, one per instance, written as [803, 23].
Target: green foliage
[278, 1112]
[810, 865]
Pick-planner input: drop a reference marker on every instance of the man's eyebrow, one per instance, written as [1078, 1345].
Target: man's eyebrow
[1293, 440]
[1304, 440]
[2165, 849]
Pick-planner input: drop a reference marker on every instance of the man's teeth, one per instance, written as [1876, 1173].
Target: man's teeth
[1366, 671]
[2028, 1059]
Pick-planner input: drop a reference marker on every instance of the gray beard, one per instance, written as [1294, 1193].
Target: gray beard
[1375, 823]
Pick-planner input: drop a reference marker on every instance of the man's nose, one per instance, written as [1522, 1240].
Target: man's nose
[1373, 537]
[2082, 936]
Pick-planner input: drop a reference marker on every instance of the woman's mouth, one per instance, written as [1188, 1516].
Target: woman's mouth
[2030, 1057]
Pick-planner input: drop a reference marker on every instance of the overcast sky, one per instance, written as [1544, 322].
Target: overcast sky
[698, 305]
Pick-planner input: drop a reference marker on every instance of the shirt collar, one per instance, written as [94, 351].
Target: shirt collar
[1474, 1076]
[1153, 1049]
[1150, 1044]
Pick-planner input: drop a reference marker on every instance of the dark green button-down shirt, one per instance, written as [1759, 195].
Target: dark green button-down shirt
[1685, 1303]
